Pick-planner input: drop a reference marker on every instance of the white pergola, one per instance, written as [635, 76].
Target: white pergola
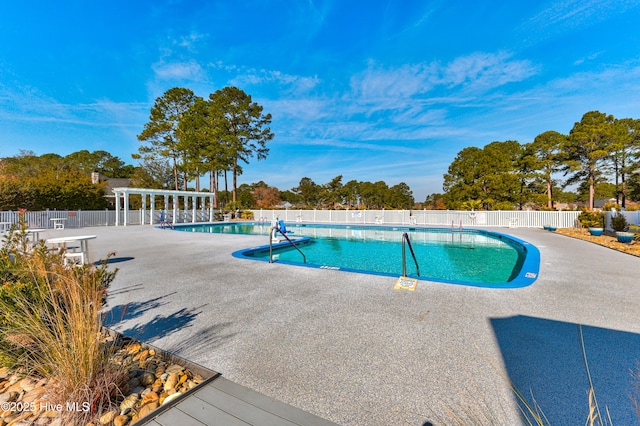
[153, 193]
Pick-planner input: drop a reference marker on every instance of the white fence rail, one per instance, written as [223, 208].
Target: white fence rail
[455, 218]
[83, 218]
[72, 218]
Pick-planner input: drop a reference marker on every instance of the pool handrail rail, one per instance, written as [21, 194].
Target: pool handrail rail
[277, 229]
[407, 240]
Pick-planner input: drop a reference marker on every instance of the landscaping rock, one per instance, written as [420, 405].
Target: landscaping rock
[108, 417]
[147, 379]
[175, 368]
[605, 240]
[33, 395]
[121, 421]
[133, 348]
[28, 384]
[9, 396]
[171, 397]
[129, 401]
[149, 397]
[172, 381]
[151, 381]
[146, 409]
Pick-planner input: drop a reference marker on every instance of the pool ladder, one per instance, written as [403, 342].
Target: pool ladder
[271, 235]
[407, 242]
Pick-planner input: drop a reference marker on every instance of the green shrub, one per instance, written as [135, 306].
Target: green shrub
[619, 223]
[610, 206]
[591, 219]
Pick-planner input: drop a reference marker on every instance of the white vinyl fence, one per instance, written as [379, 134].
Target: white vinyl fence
[632, 217]
[450, 218]
[83, 218]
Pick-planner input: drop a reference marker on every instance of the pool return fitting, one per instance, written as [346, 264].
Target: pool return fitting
[405, 282]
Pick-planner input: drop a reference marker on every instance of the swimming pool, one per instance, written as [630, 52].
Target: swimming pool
[470, 257]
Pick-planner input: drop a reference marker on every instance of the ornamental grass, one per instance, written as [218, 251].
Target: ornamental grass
[50, 325]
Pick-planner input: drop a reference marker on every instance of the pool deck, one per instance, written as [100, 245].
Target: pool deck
[349, 348]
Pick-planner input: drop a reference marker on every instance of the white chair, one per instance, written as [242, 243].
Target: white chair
[73, 258]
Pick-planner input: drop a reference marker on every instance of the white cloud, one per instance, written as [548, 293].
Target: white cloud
[190, 41]
[475, 72]
[26, 104]
[291, 109]
[292, 83]
[178, 70]
[567, 15]
[400, 82]
[482, 71]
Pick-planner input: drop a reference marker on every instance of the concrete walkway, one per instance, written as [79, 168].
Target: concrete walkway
[350, 349]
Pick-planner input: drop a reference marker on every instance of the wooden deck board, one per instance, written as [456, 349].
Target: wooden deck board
[288, 412]
[239, 408]
[224, 402]
[174, 417]
[207, 413]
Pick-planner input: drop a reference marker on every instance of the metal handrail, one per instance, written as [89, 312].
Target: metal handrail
[304, 258]
[405, 238]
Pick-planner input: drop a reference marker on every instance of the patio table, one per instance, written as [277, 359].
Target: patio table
[62, 242]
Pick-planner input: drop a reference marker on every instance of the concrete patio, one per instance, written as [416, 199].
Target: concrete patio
[349, 348]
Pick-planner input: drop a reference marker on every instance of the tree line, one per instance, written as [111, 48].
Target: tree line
[51, 181]
[600, 154]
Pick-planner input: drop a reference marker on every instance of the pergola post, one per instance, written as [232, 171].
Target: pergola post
[117, 208]
[194, 205]
[175, 208]
[143, 213]
[126, 209]
[211, 209]
[152, 200]
[166, 208]
[186, 207]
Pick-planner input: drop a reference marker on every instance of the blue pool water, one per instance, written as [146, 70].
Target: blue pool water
[471, 257]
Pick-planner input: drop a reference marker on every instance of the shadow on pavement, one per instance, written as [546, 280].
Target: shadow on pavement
[133, 310]
[544, 360]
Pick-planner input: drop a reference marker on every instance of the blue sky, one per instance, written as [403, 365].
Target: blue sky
[371, 90]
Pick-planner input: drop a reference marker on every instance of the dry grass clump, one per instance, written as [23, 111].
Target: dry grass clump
[50, 326]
